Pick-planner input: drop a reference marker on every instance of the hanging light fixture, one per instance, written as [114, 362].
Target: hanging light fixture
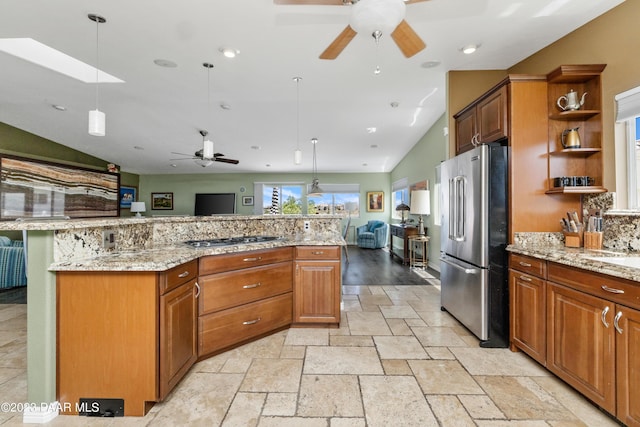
[297, 155]
[207, 145]
[97, 119]
[315, 189]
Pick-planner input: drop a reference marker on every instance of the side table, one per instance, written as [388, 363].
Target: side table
[418, 251]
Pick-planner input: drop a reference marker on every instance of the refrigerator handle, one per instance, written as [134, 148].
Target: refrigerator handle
[460, 195]
[459, 267]
[452, 209]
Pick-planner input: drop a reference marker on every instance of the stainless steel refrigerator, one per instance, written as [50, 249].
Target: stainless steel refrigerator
[473, 267]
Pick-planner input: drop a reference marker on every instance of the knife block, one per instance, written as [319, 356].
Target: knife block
[573, 240]
[593, 239]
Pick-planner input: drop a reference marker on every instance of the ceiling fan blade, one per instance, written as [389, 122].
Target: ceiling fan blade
[407, 40]
[339, 44]
[223, 160]
[413, 1]
[312, 2]
[182, 154]
[184, 158]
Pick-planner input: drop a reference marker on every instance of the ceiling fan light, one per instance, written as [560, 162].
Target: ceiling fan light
[207, 149]
[382, 15]
[203, 162]
[97, 123]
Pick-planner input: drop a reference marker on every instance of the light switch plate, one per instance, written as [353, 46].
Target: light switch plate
[108, 239]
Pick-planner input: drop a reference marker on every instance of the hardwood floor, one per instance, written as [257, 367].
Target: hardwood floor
[375, 267]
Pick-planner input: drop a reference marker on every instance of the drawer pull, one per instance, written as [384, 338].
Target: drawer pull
[524, 264]
[182, 275]
[603, 317]
[252, 322]
[317, 253]
[615, 322]
[197, 290]
[258, 258]
[526, 278]
[612, 290]
[251, 286]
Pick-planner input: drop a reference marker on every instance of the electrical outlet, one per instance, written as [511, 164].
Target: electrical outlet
[307, 226]
[108, 239]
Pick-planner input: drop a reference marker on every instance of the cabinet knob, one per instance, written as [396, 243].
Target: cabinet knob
[318, 253]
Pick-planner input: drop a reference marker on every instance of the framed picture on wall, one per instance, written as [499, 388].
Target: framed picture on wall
[162, 201]
[375, 201]
[127, 195]
[247, 200]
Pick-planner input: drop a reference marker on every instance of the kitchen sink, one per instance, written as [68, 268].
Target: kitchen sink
[625, 261]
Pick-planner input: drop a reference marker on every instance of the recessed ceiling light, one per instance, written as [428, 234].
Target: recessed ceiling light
[374, 145]
[225, 106]
[268, 165]
[173, 165]
[430, 64]
[364, 164]
[137, 147]
[40, 54]
[394, 104]
[229, 52]
[469, 49]
[165, 63]
[59, 107]
[372, 130]
[255, 147]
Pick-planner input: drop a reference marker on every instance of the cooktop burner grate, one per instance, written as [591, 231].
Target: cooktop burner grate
[227, 241]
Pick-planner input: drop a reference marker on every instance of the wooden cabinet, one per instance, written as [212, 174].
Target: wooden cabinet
[124, 335]
[244, 295]
[588, 159]
[317, 285]
[628, 365]
[527, 306]
[402, 233]
[483, 121]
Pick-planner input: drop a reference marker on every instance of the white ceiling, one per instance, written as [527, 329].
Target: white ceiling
[160, 110]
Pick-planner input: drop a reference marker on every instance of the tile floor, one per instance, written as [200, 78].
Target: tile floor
[396, 360]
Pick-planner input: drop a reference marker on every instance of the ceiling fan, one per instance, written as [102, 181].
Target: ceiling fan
[375, 17]
[205, 156]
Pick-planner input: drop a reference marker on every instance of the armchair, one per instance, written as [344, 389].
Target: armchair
[12, 263]
[372, 235]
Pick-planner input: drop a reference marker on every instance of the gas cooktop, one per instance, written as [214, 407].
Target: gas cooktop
[227, 241]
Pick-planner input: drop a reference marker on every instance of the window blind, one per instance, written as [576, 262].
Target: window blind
[628, 104]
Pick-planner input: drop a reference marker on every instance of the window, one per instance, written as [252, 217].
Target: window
[278, 198]
[628, 112]
[338, 199]
[399, 194]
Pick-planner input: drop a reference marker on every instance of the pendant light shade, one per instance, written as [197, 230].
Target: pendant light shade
[315, 189]
[297, 154]
[97, 123]
[297, 157]
[97, 119]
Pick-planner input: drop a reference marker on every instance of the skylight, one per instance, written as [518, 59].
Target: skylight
[48, 57]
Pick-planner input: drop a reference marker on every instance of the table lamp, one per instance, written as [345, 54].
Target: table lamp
[420, 205]
[137, 207]
[402, 208]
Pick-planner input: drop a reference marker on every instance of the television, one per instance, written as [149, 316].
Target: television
[215, 204]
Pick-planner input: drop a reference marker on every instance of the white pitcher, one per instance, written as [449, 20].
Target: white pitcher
[571, 101]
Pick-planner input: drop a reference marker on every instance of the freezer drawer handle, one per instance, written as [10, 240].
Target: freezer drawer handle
[459, 267]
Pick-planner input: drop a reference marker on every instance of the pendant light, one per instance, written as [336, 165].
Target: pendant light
[297, 155]
[97, 119]
[315, 189]
[207, 144]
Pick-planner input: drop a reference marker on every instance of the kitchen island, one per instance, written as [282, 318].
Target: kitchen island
[577, 312]
[144, 268]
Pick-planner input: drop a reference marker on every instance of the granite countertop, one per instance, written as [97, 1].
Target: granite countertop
[579, 257]
[167, 257]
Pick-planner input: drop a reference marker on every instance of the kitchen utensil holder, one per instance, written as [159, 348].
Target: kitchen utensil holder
[573, 240]
[593, 239]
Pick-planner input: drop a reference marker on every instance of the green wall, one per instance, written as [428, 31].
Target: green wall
[420, 164]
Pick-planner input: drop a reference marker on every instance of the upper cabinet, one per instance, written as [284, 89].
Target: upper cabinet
[483, 121]
[574, 95]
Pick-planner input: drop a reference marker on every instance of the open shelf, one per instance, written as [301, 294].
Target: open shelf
[576, 152]
[575, 73]
[576, 115]
[577, 190]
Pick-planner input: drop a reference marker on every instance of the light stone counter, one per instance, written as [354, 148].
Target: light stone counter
[550, 247]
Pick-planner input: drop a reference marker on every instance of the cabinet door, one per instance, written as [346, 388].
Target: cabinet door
[528, 314]
[178, 335]
[628, 365]
[317, 292]
[465, 130]
[580, 343]
[492, 116]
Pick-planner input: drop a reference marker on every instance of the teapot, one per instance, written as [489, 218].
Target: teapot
[570, 138]
[571, 101]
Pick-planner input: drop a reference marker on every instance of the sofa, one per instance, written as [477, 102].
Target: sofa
[372, 235]
[12, 263]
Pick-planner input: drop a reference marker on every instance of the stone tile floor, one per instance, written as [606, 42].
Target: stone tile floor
[396, 360]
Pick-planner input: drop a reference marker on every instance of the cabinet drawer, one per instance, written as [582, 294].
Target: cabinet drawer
[610, 288]
[229, 289]
[317, 252]
[235, 261]
[225, 328]
[178, 275]
[526, 264]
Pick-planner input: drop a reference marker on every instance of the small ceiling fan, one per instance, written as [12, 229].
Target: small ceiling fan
[205, 156]
[375, 17]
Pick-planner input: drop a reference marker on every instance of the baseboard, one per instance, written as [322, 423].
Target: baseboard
[40, 414]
